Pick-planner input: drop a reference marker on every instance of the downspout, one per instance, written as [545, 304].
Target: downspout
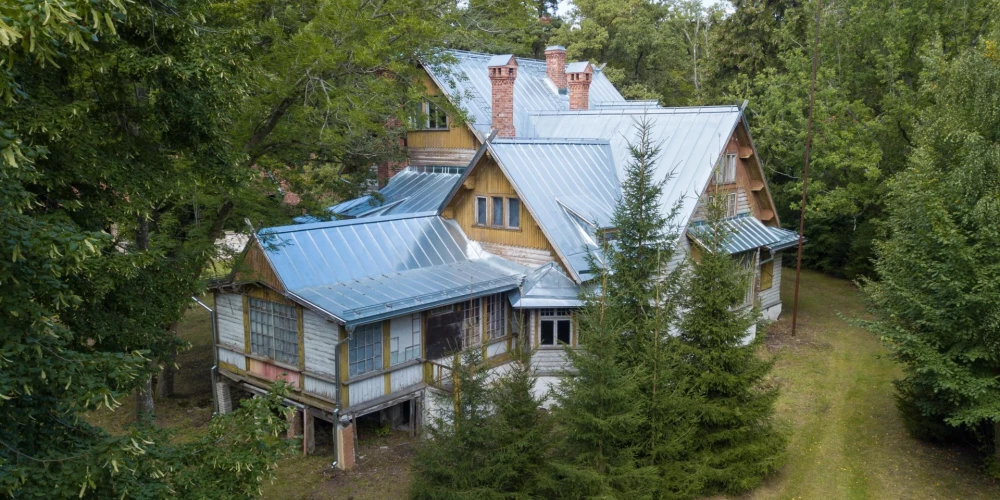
[215, 355]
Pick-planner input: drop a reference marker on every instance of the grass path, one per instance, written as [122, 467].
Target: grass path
[847, 440]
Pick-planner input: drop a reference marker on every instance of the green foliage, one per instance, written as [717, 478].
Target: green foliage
[488, 438]
[935, 298]
[736, 444]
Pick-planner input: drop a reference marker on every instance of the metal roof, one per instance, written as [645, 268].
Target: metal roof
[691, 141]
[466, 81]
[412, 190]
[546, 286]
[569, 186]
[362, 270]
[499, 60]
[577, 67]
[746, 233]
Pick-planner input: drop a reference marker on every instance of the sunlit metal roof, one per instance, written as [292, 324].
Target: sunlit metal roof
[570, 187]
[466, 81]
[691, 140]
[412, 190]
[363, 270]
[546, 286]
[746, 233]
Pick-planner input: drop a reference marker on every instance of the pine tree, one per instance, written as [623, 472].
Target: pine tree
[736, 443]
[491, 439]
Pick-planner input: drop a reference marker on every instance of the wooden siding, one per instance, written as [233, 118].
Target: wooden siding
[406, 377]
[531, 257]
[320, 338]
[320, 388]
[753, 173]
[366, 390]
[456, 137]
[255, 267]
[772, 296]
[496, 349]
[487, 179]
[742, 201]
[229, 319]
[232, 357]
[440, 156]
[549, 361]
[270, 371]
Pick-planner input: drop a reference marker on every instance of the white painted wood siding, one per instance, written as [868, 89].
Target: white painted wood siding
[742, 204]
[496, 349]
[366, 390]
[772, 296]
[409, 376]
[320, 388]
[549, 361]
[320, 338]
[229, 317]
[234, 358]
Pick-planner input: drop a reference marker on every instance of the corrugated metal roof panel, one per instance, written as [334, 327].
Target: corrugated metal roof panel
[467, 83]
[565, 184]
[412, 190]
[691, 141]
[785, 239]
[546, 287]
[744, 234]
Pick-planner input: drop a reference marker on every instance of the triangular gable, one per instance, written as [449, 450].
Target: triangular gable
[256, 267]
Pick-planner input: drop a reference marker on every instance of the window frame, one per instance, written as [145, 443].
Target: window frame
[509, 212]
[494, 220]
[428, 111]
[495, 327]
[731, 208]
[725, 171]
[371, 334]
[555, 316]
[472, 321]
[482, 217]
[412, 351]
[282, 319]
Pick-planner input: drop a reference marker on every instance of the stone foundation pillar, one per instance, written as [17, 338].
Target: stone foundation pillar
[295, 424]
[224, 397]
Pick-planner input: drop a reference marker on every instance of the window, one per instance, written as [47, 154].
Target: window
[725, 171]
[556, 327]
[767, 275]
[430, 117]
[404, 338]
[513, 213]
[437, 311]
[496, 316]
[481, 210]
[497, 219]
[729, 208]
[472, 320]
[365, 349]
[274, 331]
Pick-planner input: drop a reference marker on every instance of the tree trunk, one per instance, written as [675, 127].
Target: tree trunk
[144, 400]
[166, 382]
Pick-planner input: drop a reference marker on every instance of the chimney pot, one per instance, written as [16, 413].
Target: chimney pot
[502, 83]
[555, 66]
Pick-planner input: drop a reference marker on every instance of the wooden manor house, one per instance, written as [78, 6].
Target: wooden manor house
[480, 240]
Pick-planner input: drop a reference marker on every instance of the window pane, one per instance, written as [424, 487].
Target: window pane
[481, 211]
[497, 219]
[730, 168]
[513, 212]
[547, 337]
[564, 328]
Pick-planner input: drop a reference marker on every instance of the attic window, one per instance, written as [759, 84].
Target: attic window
[481, 210]
[430, 117]
[725, 171]
[513, 213]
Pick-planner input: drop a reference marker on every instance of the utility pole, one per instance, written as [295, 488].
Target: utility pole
[805, 169]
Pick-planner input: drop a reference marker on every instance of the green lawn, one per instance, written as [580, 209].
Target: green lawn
[846, 440]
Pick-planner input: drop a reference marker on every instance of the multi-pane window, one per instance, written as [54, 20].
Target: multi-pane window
[365, 349]
[472, 320]
[725, 171]
[729, 201]
[481, 210]
[496, 316]
[513, 213]
[404, 338]
[274, 331]
[497, 219]
[556, 327]
[431, 117]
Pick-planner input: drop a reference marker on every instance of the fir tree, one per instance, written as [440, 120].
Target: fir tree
[736, 443]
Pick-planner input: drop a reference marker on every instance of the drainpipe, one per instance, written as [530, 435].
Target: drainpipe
[215, 356]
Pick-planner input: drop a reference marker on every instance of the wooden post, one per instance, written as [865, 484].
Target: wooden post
[308, 433]
[413, 416]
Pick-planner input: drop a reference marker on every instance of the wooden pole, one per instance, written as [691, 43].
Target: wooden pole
[805, 169]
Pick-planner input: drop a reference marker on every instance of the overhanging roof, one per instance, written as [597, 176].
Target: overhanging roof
[546, 286]
[412, 190]
[364, 270]
[744, 234]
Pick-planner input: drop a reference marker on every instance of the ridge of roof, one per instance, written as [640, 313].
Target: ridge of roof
[631, 110]
[550, 140]
[297, 228]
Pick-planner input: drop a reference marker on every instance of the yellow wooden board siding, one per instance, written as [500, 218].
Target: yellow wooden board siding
[489, 180]
[264, 293]
[766, 275]
[456, 137]
[255, 267]
[344, 396]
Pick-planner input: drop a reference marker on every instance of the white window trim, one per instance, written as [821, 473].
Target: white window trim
[265, 339]
[486, 213]
[507, 213]
[374, 329]
[555, 316]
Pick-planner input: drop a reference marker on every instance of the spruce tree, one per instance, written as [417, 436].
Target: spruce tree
[736, 443]
[490, 440]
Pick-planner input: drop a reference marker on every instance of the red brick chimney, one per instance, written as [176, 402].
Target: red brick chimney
[503, 72]
[579, 76]
[555, 66]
